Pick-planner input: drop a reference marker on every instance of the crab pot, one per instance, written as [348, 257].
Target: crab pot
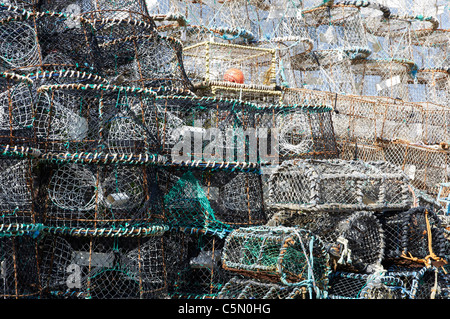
[103, 267]
[347, 285]
[193, 262]
[17, 190]
[243, 288]
[413, 237]
[48, 41]
[94, 117]
[337, 186]
[211, 200]
[19, 271]
[92, 196]
[145, 61]
[288, 255]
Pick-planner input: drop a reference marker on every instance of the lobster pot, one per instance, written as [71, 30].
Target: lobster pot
[355, 240]
[211, 200]
[145, 61]
[301, 131]
[426, 166]
[19, 271]
[436, 118]
[394, 36]
[16, 191]
[94, 9]
[347, 285]
[339, 25]
[421, 282]
[387, 77]
[100, 267]
[209, 61]
[207, 129]
[288, 255]
[328, 69]
[47, 41]
[88, 118]
[337, 186]
[431, 85]
[413, 237]
[16, 110]
[431, 48]
[193, 262]
[90, 196]
[243, 288]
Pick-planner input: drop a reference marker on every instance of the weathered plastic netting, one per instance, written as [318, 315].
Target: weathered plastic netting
[430, 85]
[337, 186]
[211, 200]
[103, 268]
[354, 240]
[193, 263]
[19, 266]
[347, 285]
[288, 255]
[413, 237]
[83, 196]
[35, 41]
[243, 288]
[431, 49]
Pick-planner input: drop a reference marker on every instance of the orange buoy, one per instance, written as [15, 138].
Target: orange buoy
[234, 75]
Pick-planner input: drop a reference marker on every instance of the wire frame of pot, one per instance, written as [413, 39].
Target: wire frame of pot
[337, 185]
[208, 61]
[97, 267]
[211, 201]
[292, 256]
[415, 236]
[46, 40]
[426, 166]
[145, 61]
[94, 117]
[92, 9]
[354, 239]
[244, 288]
[77, 196]
[193, 263]
[347, 285]
[16, 110]
[19, 277]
